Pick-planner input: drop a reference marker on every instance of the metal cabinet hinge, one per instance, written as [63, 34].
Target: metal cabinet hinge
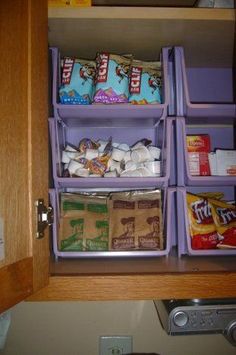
[44, 217]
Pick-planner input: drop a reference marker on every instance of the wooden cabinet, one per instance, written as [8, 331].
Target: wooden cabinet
[28, 269]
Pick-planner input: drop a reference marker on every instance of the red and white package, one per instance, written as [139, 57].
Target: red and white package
[198, 147]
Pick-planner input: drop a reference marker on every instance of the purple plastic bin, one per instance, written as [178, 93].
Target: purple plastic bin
[168, 222]
[114, 112]
[221, 136]
[203, 92]
[184, 239]
[72, 132]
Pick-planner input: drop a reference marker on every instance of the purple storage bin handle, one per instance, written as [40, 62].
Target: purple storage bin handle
[179, 84]
[55, 73]
[185, 106]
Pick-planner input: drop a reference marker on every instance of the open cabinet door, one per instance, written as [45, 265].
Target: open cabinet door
[24, 260]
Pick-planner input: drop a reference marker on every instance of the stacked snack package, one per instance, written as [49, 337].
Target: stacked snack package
[136, 220]
[145, 83]
[225, 219]
[84, 224]
[77, 81]
[130, 220]
[212, 222]
[198, 148]
[110, 79]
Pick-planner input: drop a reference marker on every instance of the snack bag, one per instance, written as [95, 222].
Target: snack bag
[98, 165]
[84, 222]
[145, 82]
[136, 220]
[112, 80]
[87, 143]
[77, 81]
[212, 194]
[224, 216]
[202, 228]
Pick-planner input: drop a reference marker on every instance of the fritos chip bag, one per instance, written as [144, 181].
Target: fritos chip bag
[224, 216]
[214, 195]
[202, 228]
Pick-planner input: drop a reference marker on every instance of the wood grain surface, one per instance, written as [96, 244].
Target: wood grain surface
[38, 132]
[23, 145]
[16, 283]
[138, 287]
[14, 182]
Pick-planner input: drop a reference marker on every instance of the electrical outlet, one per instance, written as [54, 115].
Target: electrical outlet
[115, 345]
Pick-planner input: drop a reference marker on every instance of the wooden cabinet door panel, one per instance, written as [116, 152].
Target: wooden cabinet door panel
[23, 147]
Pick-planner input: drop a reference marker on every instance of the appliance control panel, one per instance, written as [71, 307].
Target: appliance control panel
[191, 317]
[202, 319]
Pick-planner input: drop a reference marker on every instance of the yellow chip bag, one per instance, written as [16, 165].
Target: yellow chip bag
[224, 216]
[202, 228]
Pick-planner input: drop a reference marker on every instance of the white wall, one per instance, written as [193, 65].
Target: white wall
[73, 328]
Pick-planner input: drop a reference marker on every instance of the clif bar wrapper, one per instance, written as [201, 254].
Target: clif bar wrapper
[145, 83]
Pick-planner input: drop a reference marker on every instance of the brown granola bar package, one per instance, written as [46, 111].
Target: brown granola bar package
[135, 220]
[84, 224]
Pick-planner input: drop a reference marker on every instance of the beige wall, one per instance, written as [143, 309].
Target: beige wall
[73, 328]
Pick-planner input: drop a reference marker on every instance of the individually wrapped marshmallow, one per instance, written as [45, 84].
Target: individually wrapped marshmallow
[130, 173]
[102, 145]
[69, 148]
[82, 172]
[117, 154]
[130, 165]
[91, 154]
[65, 159]
[154, 167]
[127, 156]
[137, 145]
[140, 143]
[124, 146]
[73, 155]
[73, 166]
[114, 165]
[155, 152]
[145, 172]
[140, 154]
[111, 174]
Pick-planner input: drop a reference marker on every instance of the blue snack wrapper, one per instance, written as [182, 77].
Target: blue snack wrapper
[112, 80]
[145, 83]
[77, 81]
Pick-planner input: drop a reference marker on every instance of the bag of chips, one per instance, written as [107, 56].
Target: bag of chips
[202, 228]
[224, 216]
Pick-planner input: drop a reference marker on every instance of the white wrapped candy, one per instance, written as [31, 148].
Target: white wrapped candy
[73, 166]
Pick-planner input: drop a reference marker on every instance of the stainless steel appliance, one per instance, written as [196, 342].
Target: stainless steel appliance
[198, 316]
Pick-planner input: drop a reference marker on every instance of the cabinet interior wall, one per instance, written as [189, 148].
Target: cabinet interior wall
[207, 36]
